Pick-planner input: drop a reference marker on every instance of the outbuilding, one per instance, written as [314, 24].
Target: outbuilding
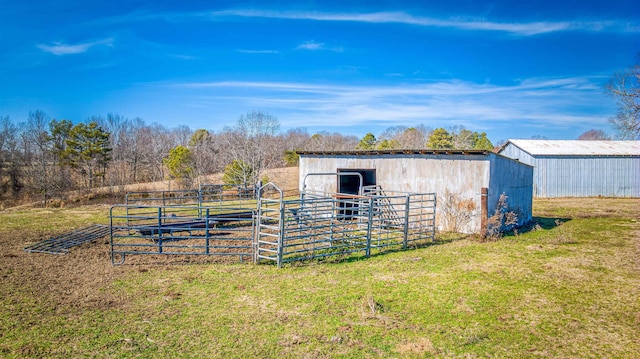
[468, 184]
[579, 168]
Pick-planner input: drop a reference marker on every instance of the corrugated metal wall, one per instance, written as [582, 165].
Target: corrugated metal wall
[586, 176]
[581, 176]
[516, 153]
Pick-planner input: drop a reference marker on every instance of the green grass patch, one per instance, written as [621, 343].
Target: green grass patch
[568, 288]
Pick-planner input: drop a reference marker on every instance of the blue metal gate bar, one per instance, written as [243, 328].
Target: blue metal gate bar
[62, 243]
[227, 230]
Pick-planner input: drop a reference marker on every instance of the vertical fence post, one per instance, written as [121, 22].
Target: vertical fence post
[369, 227]
[332, 223]
[159, 229]
[281, 235]
[111, 232]
[200, 202]
[164, 202]
[255, 233]
[433, 217]
[126, 201]
[407, 208]
[206, 233]
[254, 246]
[484, 210]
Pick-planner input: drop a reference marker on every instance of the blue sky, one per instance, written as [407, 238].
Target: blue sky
[512, 69]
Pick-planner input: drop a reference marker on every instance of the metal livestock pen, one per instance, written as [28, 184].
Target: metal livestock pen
[269, 228]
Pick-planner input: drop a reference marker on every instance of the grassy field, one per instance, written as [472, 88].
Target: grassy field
[568, 289]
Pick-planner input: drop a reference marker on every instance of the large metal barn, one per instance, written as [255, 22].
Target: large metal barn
[580, 168]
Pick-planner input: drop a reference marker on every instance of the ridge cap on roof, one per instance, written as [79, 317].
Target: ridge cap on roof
[576, 147]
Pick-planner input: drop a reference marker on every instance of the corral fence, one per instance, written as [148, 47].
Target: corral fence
[323, 225]
[206, 195]
[267, 227]
[213, 220]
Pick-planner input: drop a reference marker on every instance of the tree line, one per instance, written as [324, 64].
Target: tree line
[400, 137]
[46, 157]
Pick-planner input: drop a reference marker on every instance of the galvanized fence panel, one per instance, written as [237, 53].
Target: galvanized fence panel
[322, 227]
[402, 218]
[318, 226]
[421, 218]
[62, 243]
[208, 195]
[389, 218]
[212, 193]
[180, 230]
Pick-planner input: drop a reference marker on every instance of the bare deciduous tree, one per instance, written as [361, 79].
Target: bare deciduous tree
[326, 141]
[624, 86]
[249, 142]
[407, 137]
[36, 144]
[10, 157]
[594, 135]
[204, 153]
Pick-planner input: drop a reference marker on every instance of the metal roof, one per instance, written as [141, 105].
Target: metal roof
[577, 148]
[394, 152]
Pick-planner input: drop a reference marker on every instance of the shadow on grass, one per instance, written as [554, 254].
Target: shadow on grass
[537, 224]
[547, 223]
[357, 257]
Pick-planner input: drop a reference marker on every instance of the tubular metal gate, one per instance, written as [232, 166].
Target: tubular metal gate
[211, 221]
[318, 226]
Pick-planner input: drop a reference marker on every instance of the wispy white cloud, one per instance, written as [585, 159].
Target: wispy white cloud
[316, 46]
[59, 48]
[310, 45]
[460, 23]
[548, 103]
[258, 51]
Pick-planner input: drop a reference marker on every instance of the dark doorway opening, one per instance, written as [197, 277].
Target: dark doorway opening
[350, 185]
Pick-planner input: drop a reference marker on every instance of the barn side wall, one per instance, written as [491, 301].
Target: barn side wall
[516, 153]
[462, 176]
[514, 180]
[588, 176]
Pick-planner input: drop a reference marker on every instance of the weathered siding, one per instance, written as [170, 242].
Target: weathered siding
[462, 176]
[411, 173]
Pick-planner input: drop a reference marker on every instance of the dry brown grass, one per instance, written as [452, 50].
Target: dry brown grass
[80, 279]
